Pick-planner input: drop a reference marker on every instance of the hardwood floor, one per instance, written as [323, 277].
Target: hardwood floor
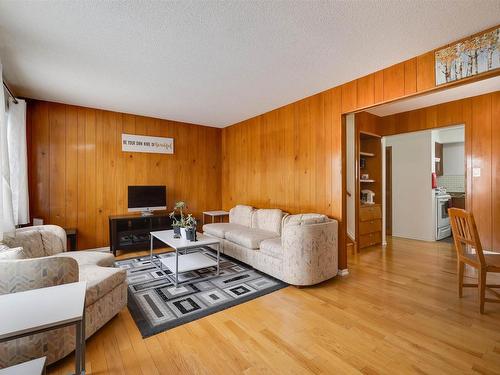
[397, 312]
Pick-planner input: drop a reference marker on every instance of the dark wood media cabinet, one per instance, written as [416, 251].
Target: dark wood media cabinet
[131, 232]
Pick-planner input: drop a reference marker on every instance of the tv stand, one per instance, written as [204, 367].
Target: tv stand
[131, 232]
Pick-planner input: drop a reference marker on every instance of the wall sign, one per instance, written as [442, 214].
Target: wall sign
[144, 143]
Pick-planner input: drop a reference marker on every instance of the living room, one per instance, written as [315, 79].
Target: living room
[184, 176]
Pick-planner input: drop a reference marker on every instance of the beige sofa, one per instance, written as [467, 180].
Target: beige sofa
[36, 257]
[298, 249]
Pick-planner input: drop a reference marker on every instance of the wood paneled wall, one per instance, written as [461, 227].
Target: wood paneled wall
[286, 159]
[79, 175]
[481, 116]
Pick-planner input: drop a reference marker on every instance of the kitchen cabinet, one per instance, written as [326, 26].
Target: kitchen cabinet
[458, 202]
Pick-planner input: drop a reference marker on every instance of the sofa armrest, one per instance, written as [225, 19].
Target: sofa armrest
[26, 274]
[53, 239]
[310, 252]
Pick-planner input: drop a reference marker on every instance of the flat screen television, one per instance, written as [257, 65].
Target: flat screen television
[147, 199]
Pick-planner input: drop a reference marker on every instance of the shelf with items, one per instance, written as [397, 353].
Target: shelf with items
[369, 189]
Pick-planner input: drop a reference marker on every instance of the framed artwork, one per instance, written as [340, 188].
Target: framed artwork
[469, 57]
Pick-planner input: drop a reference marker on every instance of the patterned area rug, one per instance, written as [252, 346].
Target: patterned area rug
[156, 305]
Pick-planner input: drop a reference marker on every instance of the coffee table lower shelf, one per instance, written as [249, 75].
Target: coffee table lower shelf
[192, 259]
[188, 262]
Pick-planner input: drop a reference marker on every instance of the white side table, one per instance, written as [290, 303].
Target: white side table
[33, 367]
[214, 214]
[39, 310]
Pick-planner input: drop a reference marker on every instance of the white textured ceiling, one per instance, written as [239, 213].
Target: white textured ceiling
[216, 62]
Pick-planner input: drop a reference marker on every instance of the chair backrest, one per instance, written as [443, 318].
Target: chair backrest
[465, 235]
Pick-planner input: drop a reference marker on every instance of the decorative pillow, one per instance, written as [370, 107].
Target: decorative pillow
[12, 254]
[4, 247]
[30, 241]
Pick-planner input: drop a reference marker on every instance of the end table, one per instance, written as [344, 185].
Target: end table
[213, 214]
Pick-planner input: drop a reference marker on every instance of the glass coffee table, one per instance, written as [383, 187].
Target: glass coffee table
[186, 258]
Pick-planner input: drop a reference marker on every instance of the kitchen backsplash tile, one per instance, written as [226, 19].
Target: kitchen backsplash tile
[452, 183]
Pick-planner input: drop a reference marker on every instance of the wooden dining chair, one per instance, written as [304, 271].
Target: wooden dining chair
[469, 251]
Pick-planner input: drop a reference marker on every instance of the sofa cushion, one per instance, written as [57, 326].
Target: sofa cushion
[305, 219]
[241, 215]
[220, 229]
[268, 219]
[90, 258]
[100, 281]
[250, 237]
[272, 247]
[7, 253]
[30, 241]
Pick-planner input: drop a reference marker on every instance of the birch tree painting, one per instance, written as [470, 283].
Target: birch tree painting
[467, 58]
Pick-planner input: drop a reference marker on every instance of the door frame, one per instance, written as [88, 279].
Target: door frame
[388, 188]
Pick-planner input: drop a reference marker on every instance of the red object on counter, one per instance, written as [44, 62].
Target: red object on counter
[434, 181]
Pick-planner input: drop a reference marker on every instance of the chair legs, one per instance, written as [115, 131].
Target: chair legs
[482, 289]
[461, 269]
[481, 285]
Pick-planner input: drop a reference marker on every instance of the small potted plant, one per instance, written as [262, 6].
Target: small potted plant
[190, 228]
[178, 218]
[184, 225]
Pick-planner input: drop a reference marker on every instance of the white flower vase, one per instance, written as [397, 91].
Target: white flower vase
[183, 233]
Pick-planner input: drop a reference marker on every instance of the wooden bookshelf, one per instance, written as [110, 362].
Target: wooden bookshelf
[369, 216]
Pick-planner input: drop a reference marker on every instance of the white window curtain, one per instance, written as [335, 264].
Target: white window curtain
[7, 219]
[18, 160]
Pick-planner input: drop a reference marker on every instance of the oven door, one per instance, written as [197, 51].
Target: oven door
[443, 220]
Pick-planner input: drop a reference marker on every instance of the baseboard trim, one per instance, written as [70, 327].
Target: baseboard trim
[343, 272]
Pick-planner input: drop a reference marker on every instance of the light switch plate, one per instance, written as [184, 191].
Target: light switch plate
[476, 172]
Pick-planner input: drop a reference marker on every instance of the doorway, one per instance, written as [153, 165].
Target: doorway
[445, 108]
[424, 171]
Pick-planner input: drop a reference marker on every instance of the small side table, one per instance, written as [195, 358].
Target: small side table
[33, 367]
[214, 214]
[39, 310]
[71, 234]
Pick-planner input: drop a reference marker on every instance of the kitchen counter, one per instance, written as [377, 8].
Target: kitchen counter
[457, 199]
